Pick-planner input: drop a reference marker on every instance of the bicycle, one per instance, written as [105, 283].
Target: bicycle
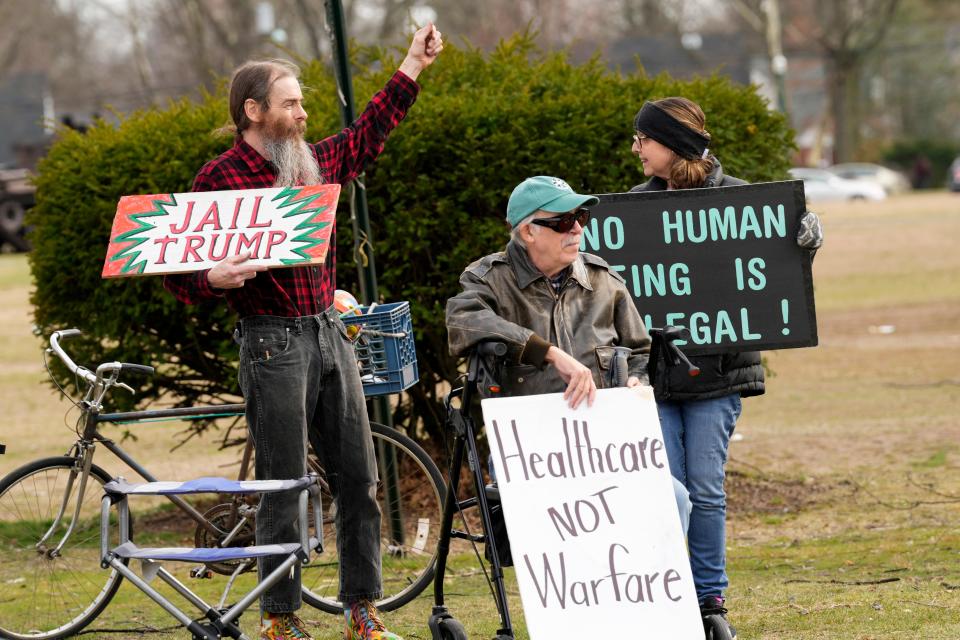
[50, 512]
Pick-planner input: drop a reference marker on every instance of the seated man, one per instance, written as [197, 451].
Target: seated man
[560, 312]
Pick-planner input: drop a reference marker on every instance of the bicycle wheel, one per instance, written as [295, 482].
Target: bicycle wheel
[410, 529]
[41, 596]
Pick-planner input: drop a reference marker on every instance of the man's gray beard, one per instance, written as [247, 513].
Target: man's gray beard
[294, 161]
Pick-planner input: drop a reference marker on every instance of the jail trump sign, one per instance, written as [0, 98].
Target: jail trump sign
[722, 262]
[592, 518]
[183, 232]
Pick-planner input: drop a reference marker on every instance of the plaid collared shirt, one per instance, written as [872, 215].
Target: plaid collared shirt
[297, 291]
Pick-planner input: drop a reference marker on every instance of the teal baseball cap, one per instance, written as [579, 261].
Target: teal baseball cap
[543, 193]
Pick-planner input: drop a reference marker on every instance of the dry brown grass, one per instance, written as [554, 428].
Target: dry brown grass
[864, 395]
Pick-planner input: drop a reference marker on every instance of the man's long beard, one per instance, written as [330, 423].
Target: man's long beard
[292, 157]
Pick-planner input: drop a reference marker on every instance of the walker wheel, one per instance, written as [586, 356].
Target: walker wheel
[716, 627]
[452, 629]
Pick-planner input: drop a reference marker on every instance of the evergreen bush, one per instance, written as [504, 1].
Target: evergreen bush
[482, 123]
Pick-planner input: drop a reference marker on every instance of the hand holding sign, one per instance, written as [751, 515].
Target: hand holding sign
[579, 379]
[810, 235]
[232, 272]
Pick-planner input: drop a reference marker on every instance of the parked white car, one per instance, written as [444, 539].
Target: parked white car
[892, 181]
[822, 186]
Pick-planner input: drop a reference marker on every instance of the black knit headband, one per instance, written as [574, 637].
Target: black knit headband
[656, 123]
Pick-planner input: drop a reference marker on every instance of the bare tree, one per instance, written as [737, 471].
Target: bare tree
[917, 68]
[648, 15]
[394, 14]
[309, 17]
[50, 37]
[847, 32]
[203, 38]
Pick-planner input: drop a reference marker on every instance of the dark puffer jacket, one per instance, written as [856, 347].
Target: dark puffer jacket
[722, 374]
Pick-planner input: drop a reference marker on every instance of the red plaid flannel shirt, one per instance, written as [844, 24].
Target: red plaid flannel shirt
[297, 291]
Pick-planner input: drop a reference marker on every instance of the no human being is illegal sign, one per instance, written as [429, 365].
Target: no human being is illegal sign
[184, 232]
[723, 262]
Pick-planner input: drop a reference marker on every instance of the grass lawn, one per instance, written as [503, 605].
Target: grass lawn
[844, 490]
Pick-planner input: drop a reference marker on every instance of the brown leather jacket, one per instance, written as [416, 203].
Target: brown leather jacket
[508, 299]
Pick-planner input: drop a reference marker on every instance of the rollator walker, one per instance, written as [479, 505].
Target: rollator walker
[484, 370]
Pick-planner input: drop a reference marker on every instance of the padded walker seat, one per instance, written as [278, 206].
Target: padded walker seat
[218, 622]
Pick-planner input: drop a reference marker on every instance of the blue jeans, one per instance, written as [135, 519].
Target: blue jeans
[684, 506]
[300, 381]
[697, 434]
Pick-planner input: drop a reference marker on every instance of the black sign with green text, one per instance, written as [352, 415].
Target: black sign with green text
[722, 262]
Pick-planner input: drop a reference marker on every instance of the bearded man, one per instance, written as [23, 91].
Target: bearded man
[298, 371]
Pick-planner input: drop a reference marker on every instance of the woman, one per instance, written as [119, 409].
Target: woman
[698, 414]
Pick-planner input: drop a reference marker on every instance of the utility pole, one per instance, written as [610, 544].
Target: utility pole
[363, 252]
[778, 62]
[769, 24]
[359, 213]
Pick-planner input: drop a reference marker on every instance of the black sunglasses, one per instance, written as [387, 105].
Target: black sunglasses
[562, 224]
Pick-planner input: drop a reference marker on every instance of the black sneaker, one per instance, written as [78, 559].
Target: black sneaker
[715, 624]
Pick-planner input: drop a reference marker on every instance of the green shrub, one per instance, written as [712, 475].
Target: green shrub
[437, 195]
[129, 319]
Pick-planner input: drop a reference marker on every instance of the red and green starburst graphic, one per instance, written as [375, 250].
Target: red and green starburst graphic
[307, 207]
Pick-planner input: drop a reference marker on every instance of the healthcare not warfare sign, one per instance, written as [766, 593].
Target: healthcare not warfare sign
[592, 517]
[184, 232]
[722, 262]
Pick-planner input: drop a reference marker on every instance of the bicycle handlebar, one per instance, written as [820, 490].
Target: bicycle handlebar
[105, 368]
[142, 369]
[74, 368]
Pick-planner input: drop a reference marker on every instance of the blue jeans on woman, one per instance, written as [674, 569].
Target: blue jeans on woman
[300, 381]
[697, 434]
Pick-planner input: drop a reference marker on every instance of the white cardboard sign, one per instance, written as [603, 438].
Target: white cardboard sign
[592, 518]
[184, 232]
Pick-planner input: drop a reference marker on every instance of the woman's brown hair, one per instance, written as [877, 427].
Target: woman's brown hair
[687, 174]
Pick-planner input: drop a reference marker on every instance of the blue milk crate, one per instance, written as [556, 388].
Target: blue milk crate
[388, 363]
